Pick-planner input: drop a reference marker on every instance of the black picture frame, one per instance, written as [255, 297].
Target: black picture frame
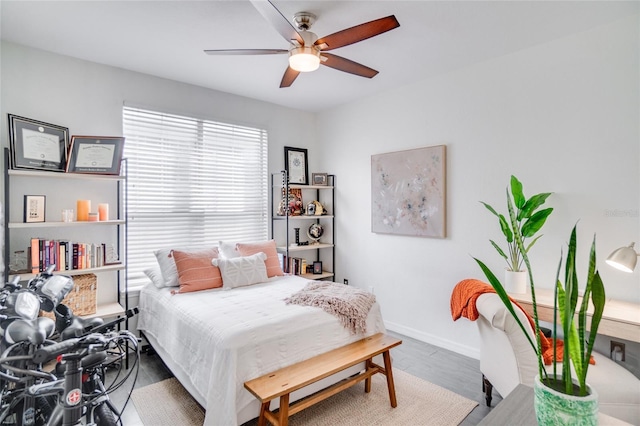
[36, 145]
[317, 268]
[100, 155]
[297, 165]
[34, 208]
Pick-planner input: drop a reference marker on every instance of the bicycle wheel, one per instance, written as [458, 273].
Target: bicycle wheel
[104, 416]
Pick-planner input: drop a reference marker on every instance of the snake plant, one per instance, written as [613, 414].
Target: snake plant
[577, 347]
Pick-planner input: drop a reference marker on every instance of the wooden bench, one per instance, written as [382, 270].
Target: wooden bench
[281, 383]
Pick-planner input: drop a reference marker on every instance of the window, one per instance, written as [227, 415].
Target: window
[191, 183]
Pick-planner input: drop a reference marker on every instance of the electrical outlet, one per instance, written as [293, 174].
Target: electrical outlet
[617, 351]
[346, 281]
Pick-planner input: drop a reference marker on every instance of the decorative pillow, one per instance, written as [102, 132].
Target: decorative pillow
[242, 271]
[267, 247]
[227, 250]
[195, 271]
[155, 275]
[167, 267]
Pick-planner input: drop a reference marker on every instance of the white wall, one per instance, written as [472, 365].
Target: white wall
[562, 117]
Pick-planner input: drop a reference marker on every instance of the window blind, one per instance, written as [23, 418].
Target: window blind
[190, 183]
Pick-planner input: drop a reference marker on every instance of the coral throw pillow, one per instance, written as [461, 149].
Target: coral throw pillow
[267, 247]
[195, 271]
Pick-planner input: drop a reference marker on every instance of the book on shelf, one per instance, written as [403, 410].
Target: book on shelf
[69, 255]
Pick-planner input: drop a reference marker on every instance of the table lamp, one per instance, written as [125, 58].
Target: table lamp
[624, 258]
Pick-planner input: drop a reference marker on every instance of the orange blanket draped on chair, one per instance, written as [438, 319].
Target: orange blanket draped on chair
[463, 304]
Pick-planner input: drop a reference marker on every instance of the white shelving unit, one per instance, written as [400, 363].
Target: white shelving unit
[55, 185]
[283, 227]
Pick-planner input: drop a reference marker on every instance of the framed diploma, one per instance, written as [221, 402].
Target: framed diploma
[95, 154]
[295, 163]
[37, 145]
[34, 208]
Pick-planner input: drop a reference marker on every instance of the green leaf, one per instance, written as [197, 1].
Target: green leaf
[532, 243]
[499, 250]
[535, 222]
[516, 191]
[533, 203]
[506, 230]
[491, 209]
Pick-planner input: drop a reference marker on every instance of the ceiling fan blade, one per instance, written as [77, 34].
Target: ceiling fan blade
[245, 51]
[289, 77]
[278, 21]
[357, 33]
[342, 64]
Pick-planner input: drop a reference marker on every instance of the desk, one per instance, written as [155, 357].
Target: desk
[517, 408]
[619, 319]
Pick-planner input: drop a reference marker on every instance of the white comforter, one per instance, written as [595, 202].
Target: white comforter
[221, 338]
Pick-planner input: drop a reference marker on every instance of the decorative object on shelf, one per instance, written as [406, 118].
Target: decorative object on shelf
[83, 208]
[291, 205]
[297, 231]
[37, 145]
[315, 208]
[103, 211]
[577, 346]
[408, 192]
[95, 154]
[34, 208]
[19, 262]
[317, 268]
[67, 215]
[295, 163]
[314, 232]
[527, 221]
[319, 179]
[93, 217]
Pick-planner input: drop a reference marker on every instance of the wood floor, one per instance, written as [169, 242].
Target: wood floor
[450, 370]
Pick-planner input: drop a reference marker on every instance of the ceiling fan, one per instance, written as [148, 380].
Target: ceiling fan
[307, 52]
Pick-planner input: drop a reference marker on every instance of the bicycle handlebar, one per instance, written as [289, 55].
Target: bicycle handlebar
[46, 353]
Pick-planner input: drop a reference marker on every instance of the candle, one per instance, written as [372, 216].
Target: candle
[103, 211]
[83, 207]
[93, 217]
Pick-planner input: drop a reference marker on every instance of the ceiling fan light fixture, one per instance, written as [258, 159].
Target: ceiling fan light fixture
[304, 58]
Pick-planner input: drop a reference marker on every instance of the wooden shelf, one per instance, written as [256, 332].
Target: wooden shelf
[61, 175]
[304, 248]
[28, 275]
[304, 217]
[107, 310]
[324, 274]
[22, 225]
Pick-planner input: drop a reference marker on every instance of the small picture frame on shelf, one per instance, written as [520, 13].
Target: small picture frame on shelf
[317, 268]
[319, 179]
[296, 165]
[37, 145]
[100, 155]
[34, 208]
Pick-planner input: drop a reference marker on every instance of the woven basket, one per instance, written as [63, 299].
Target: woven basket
[82, 298]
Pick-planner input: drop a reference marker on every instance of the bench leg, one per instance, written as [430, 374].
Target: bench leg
[367, 381]
[262, 420]
[389, 374]
[284, 410]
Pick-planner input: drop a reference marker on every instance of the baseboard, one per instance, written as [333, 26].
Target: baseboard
[434, 340]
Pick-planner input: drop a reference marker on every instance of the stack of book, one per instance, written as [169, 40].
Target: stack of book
[68, 255]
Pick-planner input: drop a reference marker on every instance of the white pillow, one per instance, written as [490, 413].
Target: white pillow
[227, 250]
[167, 267]
[155, 276]
[242, 271]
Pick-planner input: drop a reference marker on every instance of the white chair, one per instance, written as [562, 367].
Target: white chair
[507, 359]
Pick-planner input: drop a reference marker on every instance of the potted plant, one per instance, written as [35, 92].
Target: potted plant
[527, 222]
[557, 391]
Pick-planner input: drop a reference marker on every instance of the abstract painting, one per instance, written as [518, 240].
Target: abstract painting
[408, 192]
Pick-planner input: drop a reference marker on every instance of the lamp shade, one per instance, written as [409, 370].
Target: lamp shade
[304, 59]
[624, 258]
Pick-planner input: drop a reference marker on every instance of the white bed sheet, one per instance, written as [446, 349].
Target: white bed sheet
[221, 338]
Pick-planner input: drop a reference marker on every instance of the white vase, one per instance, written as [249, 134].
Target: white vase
[515, 281]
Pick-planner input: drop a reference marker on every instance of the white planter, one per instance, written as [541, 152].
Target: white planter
[515, 282]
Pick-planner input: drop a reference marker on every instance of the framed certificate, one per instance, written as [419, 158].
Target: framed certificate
[95, 154]
[295, 163]
[37, 145]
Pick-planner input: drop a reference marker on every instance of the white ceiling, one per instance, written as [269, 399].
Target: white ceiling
[167, 39]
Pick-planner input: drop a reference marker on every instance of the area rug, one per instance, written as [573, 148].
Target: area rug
[419, 403]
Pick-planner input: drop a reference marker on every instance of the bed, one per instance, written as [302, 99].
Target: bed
[215, 340]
